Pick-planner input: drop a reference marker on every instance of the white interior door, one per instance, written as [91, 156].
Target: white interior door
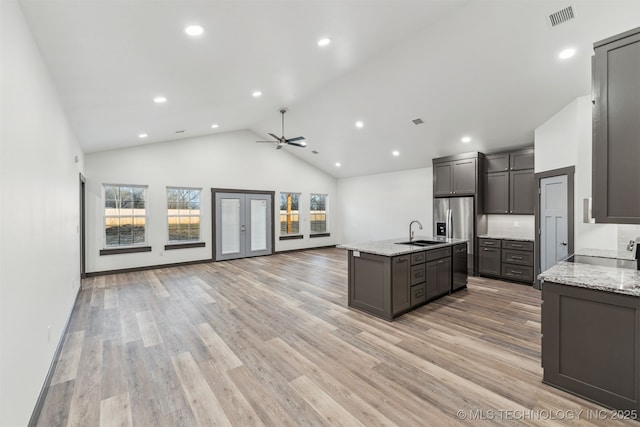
[553, 221]
[243, 224]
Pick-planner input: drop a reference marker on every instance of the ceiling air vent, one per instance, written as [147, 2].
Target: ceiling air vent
[561, 16]
[314, 152]
[417, 121]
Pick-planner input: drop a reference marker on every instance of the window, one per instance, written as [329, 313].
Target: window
[125, 215]
[183, 214]
[289, 214]
[318, 213]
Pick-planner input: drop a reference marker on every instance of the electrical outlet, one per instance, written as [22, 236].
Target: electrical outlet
[516, 224]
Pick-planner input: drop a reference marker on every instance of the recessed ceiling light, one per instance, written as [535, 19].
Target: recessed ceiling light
[142, 135]
[466, 139]
[395, 153]
[194, 30]
[359, 124]
[215, 126]
[159, 99]
[256, 94]
[338, 164]
[567, 53]
[323, 42]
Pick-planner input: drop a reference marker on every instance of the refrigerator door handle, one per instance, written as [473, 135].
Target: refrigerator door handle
[449, 222]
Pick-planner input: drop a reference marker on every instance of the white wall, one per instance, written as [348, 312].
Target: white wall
[381, 206]
[229, 160]
[565, 140]
[39, 197]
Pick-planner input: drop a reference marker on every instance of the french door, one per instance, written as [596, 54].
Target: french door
[243, 224]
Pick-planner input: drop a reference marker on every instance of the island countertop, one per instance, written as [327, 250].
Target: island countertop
[391, 247]
[609, 279]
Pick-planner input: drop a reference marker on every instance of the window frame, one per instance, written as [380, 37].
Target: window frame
[130, 248]
[287, 236]
[183, 244]
[326, 232]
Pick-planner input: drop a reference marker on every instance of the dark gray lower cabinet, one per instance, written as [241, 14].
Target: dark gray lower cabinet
[591, 344]
[438, 278]
[489, 261]
[400, 284]
[388, 287]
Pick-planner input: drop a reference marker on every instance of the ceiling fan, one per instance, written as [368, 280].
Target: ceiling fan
[282, 141]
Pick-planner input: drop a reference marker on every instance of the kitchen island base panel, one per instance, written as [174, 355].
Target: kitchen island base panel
[591, 344]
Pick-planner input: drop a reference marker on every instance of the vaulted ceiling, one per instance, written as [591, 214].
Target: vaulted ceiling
[480, 68]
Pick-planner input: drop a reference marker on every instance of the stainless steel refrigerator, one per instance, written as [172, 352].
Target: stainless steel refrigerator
[454, 217]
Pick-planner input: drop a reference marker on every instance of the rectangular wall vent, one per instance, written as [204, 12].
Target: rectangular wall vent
[561, 16]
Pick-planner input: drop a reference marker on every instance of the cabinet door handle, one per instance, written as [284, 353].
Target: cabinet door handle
[516, 272]
[516, 257]
[440, 262]
[516, 246]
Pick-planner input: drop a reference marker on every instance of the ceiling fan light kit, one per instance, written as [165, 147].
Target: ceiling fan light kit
[298, 141]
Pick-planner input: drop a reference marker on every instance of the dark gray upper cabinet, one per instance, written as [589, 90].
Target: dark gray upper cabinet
[496, 162]
[509, 183]
[520, 160]
[443, 179]
[496, 192]
[522, 188]
[456, 175]
[616, 129]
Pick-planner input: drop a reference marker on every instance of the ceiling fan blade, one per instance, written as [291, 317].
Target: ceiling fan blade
[298, 138]
[276, 137]
[270, 142]
[301, 144]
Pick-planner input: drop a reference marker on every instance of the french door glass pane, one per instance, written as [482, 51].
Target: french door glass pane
[258, 225]
[230, 219]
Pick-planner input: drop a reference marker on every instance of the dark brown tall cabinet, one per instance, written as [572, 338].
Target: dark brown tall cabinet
[616, 129]
[509, 183]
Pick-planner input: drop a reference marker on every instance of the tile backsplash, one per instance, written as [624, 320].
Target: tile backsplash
[627, 232]
[516, 226]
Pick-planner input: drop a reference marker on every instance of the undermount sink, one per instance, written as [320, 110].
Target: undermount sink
[420, 243]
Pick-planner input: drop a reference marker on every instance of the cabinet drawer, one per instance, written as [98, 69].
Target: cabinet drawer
[417, 274]
[517, 272]
[438, 253]
[517, 257]
[418, 295]
[515, 244]
[489, 243]
[417, 258]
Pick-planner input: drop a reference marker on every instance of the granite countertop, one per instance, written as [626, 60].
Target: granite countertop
[606, 253]
[608, 279]
[506, 237]
[391, 247]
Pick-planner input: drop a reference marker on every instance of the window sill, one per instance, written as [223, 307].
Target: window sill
[129, 250]
[172, 246]
[320, 235]
[295, 237]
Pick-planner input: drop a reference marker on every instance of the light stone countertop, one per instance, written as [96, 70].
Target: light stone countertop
[608, 279]
[391, 247]
[606, 253]
[506, 237]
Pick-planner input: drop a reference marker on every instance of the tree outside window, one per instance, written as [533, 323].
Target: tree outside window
[125, 215]
[183, 214]
[289, 214]
[318, 213]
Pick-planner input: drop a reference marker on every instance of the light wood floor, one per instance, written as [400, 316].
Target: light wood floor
[271, 341]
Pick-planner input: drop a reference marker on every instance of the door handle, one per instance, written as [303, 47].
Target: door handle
[242, 227]
[564, 243]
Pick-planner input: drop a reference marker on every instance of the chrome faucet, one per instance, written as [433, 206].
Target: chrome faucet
[411, 232]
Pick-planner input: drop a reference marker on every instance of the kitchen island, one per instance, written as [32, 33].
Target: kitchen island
[391, 277]
[591, 332]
